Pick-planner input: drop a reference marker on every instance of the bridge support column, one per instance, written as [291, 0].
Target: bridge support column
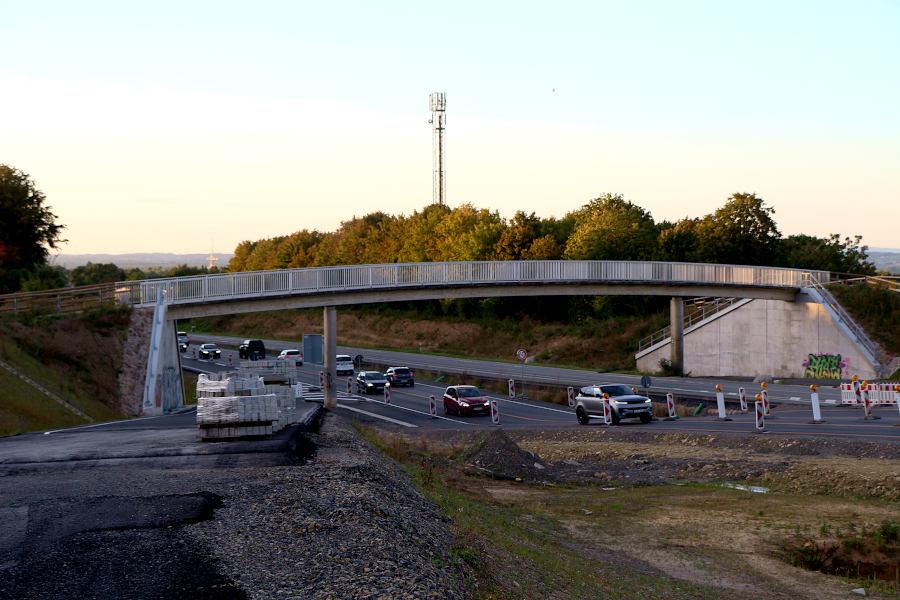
[330, 316]
[676, 333]
[163, 387]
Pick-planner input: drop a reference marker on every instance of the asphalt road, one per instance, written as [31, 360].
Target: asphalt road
[409, 408]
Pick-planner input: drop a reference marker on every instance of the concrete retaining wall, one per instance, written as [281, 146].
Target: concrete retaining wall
[134, 361]
[769, 337]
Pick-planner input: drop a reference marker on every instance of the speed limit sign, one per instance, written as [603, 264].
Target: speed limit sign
[521, 354]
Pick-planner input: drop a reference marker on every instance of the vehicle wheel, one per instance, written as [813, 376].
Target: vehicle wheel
[615, 418]
[583, 419]
[412, 384]
[646, 418]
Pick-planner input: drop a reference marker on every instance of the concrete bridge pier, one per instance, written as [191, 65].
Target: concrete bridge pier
[676, 348]
[163, 390]
[330, 343]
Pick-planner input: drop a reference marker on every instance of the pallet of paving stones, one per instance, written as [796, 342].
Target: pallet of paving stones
[221, 432]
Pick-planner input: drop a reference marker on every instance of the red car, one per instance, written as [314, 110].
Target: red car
[465, 400]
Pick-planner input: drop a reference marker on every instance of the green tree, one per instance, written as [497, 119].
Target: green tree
[678, 242]
[518, 236]
[45, 277]
[27, 227]
[612, 228]
[467, 233]
[826, 254]
[92, 273]
[740, 232]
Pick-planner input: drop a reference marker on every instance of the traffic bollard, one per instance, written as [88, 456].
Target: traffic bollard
[817, 411]
[432, 408]
[765, 400]
[387, 393]
[867, 403]
[570, 395]
[350, 386]
[607, 413]
[495, 412]
[857, 393]
[720, 404]
[670, 407]
[897, 395]
[760, 414]
[322, 379]
[512, 388]
[743, 397]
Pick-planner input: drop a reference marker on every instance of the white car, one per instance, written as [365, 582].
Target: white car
[292, 355]
[623, 403]
[344, 364]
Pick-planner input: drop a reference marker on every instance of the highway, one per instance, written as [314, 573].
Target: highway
[409, 408]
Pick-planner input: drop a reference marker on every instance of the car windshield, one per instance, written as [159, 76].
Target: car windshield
[374, 376]
[291, 352]
[616, 390]
[401, 371]
[208, 346]
[182, 334]
[469, 392]
[343, 358]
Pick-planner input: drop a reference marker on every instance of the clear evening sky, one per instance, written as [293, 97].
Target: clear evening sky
[170, 126]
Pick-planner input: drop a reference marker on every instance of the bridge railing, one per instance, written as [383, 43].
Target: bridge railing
[234, 286]
[59, 301]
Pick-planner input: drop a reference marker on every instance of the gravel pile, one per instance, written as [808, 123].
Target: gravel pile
[347, 524]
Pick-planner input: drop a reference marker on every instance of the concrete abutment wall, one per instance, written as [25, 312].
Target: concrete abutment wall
[771, 338]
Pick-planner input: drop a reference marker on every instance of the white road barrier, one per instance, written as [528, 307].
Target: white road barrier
[670, 407]
[765, 399]
[495, 412]
[720, 404]
[607, 413]
[570, 396]
[814, 399]
[432, 407]
[742, 394]
[387, 393]
[760, 414]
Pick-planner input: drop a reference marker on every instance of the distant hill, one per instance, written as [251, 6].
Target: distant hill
[143, 260]
[887, 259]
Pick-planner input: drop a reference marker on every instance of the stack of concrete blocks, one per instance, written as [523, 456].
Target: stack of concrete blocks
[287, 404]
[271, 369]
[230, 406]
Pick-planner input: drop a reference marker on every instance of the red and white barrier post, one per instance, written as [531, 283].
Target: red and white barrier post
[765, 399]
[512, 388]
[867, 403]
[670, 407]
[760, 414]
[387, 393]
[495, 412]
[720, 404]
[570, 396]
[607, 412]
[857, 392]
[897, 395]
[742, 395]
[432, 407]
[814, 398]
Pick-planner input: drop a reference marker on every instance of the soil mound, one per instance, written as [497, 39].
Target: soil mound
[497, 455]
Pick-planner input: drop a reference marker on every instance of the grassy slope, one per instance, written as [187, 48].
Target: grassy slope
[601, 345]
[78, 358]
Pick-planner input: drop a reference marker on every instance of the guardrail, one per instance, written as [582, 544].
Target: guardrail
[236, 286]
[59, 301]
[854, 328]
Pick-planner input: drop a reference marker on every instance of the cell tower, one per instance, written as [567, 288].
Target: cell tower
[438, 103]
[211, 260]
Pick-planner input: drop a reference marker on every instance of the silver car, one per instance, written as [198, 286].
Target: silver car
[623, 403]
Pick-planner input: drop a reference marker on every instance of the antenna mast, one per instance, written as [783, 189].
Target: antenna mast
[437, 101]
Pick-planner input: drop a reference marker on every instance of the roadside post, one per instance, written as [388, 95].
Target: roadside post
[432, 409]
[495, 412]
[349, 386]
[522, 354]
[607, 413]
[765, 399]
[670, 407]
[322, 379]
[720, 404]
[814, 398]
[897, 395]
[570, 396]
[230, 359]
[760, 414]
[512, 388]
[856, 389]
[742, 394]
[387, 393]
[867, 403]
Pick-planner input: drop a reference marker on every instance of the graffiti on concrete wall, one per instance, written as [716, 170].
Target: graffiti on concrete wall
[824, 366]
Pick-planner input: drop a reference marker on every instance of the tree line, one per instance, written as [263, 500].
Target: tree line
[741, 231]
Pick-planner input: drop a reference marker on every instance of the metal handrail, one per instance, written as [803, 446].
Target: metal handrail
[251, 284]
[854, 328]
[59, 301]
[705, 310]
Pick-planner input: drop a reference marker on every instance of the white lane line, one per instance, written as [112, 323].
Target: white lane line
[377, 416]
[421, 412]
[106, 423]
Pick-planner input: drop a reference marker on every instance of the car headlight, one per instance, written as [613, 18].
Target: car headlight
[647, 401]
[464, 404]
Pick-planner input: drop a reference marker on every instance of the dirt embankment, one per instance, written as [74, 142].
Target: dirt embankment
[559, 343]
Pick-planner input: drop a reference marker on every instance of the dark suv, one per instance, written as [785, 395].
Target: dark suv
[400, 376]
[252, 350]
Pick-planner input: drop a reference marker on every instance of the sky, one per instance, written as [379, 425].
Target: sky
[190, 126]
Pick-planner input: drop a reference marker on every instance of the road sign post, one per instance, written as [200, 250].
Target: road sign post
[522, 354]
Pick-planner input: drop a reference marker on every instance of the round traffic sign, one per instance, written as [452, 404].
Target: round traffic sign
[521, 354]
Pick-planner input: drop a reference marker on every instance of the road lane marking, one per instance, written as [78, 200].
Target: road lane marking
[377, 416]
[109, 423]
[503, 399]
[428, 414]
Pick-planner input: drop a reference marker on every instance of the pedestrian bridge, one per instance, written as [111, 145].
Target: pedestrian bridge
[230, 293]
